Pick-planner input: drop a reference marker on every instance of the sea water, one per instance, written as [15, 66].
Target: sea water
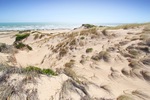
[44, 26]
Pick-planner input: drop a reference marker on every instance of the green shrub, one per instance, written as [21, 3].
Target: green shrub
[39, 70]
[20, 37]
[88, 25]
[19, 45]
[88, 50]
[82, 38]
[33, 69]
[48, 72]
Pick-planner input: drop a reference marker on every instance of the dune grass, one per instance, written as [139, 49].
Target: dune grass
[39, 70]
[20, 37]
[102, 55]
[21, 45]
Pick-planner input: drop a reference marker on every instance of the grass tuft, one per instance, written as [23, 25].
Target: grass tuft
[20, 37]
[88, 50]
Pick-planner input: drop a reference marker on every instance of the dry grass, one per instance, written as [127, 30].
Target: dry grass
[146, 61]
[90, 31]
[70, 64]
[105, 56]
[146, 75]
[147, 41]
[70, 86]
[141, 94]
[106, 88]
[73, 42]
[63, 52]
[69, 72]
[104, 32]
[122, 43]
[135, 64]
[102, 55]
[125, 72]
[36, 36]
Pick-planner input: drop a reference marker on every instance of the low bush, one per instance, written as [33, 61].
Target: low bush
[88, 25]
[48, 72]
[20, 37]
[39, 70]
[102, 55]
[19, 45]
[88, 50]
[82, 38]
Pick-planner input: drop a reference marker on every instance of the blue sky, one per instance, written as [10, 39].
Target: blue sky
[75, 11]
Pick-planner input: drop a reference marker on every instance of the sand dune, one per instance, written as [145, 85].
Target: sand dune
[97, 63]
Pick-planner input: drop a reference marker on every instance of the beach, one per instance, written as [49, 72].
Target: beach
[84, 63]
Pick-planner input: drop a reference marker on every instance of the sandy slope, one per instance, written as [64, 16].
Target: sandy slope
[113, 69]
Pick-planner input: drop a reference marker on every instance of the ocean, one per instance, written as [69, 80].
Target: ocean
[44, 26]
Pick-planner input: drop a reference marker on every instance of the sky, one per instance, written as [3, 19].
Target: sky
[75, 11]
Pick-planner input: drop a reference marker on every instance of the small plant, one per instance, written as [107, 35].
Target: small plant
[102, 55]
[133, 52]
[20, 45]
[48, 72]
[33, 69]
[146, 61]
[20, 37]
[134, 64]
[73, 42]
[41, 36]
[36, 36]
[29, 47]
[88, 25]
[82, 38]
[70, 64]
[88, 50]
[105, 32]
[39, 70]
[62, 52]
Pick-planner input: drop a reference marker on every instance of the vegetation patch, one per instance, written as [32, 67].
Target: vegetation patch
[20, 37]
[39, 70]
[88, 25]
[20, 45]
[88, 50]
[82, 38]
[70, 64]
[102, 55]
[62, 52]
